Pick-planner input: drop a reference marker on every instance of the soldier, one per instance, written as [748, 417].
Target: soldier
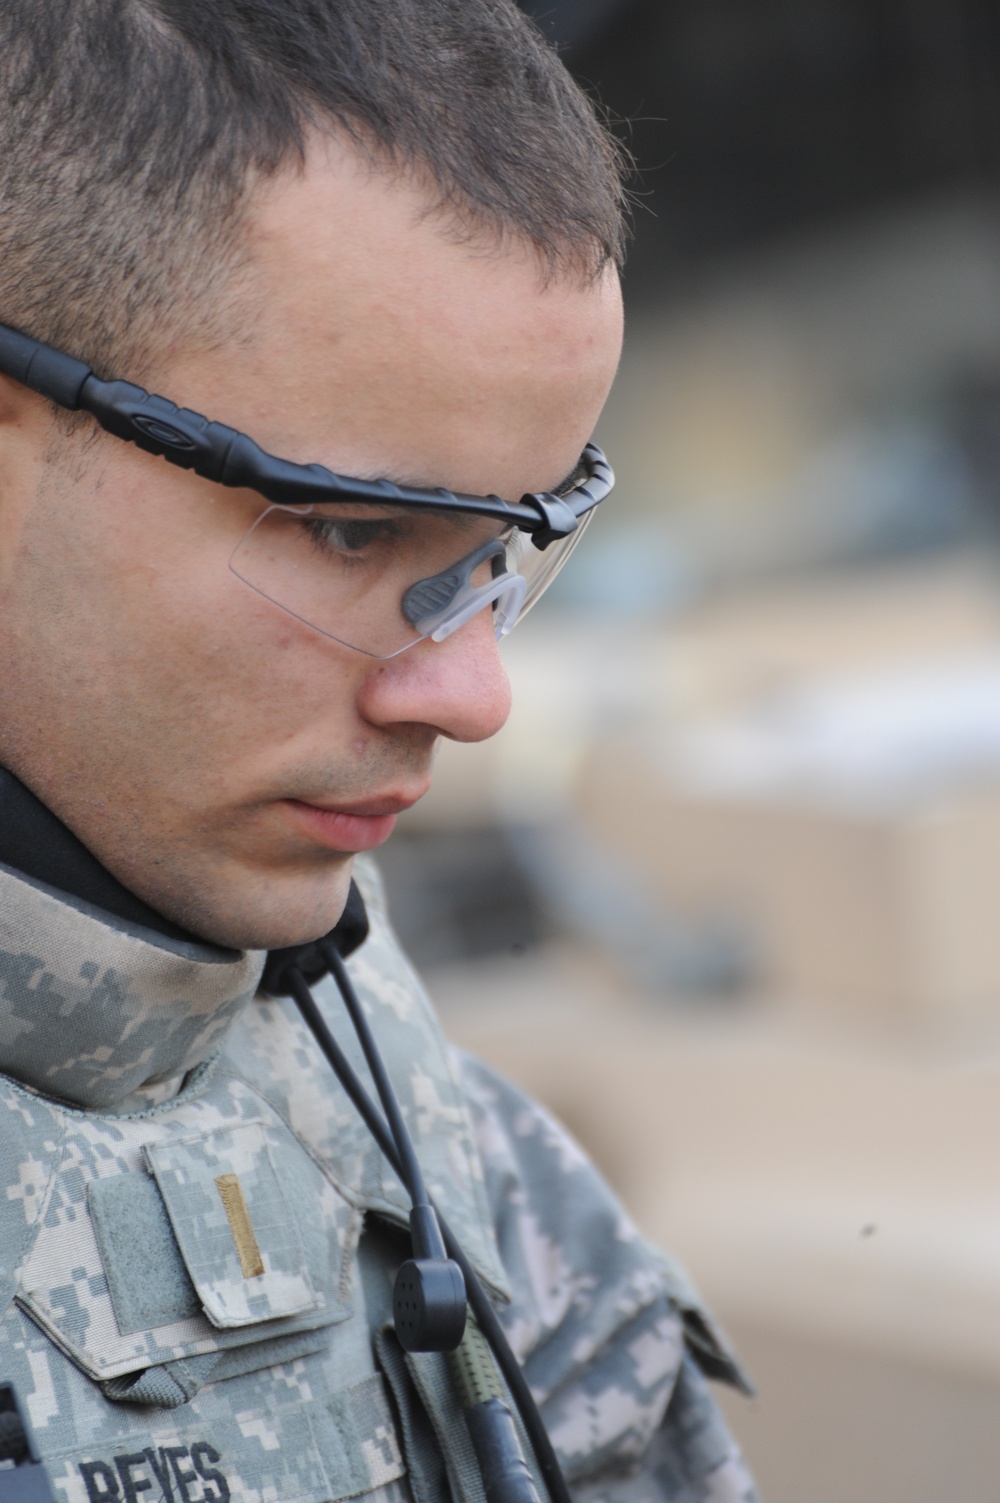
[382, 240]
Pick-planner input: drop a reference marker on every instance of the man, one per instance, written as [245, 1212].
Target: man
[381, 239]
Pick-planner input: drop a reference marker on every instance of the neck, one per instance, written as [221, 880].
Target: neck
[36, 844]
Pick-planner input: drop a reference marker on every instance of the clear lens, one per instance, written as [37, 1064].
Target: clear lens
[379, 579]
[539, 567]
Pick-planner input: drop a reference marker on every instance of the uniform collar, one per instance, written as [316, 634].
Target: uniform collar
[100, 996]
[102, 1005]
[39, 846]
[94, 1008]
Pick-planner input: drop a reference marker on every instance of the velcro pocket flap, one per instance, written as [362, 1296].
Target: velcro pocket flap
[145, 1269]
[237, 1232]
[147, 1280]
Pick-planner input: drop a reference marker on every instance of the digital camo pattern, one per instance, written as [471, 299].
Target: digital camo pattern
[597, 1318]
[63, 1281]
[597, 1315]
[187, 1173]
[90, 1011]
[318, 1427]
[690, 1458]
[273, 1048]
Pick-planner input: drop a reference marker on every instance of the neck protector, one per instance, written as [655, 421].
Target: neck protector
[100, 997]
[38, 845]
[93, 1008]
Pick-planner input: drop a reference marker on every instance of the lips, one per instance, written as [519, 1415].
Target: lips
[359, 827]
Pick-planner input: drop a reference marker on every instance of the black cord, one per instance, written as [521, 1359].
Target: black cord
[482, 1307]
[412, 1177]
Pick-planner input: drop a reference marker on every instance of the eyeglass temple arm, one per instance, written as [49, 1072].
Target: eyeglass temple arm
[228, 457]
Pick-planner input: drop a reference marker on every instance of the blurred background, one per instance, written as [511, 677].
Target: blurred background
[726, 891]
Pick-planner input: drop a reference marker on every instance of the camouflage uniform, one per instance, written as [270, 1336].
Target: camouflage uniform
[198, 1236]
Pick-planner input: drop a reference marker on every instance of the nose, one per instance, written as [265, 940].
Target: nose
[457, 688]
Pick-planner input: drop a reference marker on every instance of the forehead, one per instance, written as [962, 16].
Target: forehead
[366, 308]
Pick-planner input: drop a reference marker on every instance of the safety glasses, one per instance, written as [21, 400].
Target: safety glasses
[374, 565]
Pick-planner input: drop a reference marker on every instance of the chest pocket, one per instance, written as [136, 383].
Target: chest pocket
[225, 1252]
[315, 1450]
[236, 1229]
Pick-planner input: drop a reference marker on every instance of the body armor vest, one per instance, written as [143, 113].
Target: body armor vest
[191, 1310]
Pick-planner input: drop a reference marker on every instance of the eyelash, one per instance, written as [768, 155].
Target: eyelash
[323, 535]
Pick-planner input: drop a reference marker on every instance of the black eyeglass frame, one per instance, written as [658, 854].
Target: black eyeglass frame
[223, 454]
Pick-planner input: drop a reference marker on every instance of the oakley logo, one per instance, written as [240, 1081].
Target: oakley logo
[163, 433]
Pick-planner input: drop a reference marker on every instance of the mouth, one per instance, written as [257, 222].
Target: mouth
[349, 828]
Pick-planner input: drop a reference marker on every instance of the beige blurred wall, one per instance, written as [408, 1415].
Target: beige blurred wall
[821, 1149]
[833, 1195]
[799, 738]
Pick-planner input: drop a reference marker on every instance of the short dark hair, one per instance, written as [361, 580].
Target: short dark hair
[132, 131]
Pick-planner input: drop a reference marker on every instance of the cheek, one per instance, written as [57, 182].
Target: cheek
[127, 599]
[130, 639]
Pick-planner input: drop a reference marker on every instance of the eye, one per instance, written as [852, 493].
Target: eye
[350, 534]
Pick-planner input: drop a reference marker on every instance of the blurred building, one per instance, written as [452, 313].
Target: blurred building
[748, 122]
[725, 891]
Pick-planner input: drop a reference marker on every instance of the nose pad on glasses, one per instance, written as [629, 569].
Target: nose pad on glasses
[507, 592]
[443, 602]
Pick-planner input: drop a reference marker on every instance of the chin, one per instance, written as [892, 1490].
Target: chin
[276, 919]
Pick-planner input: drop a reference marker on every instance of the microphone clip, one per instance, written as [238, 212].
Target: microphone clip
[428, 1297]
